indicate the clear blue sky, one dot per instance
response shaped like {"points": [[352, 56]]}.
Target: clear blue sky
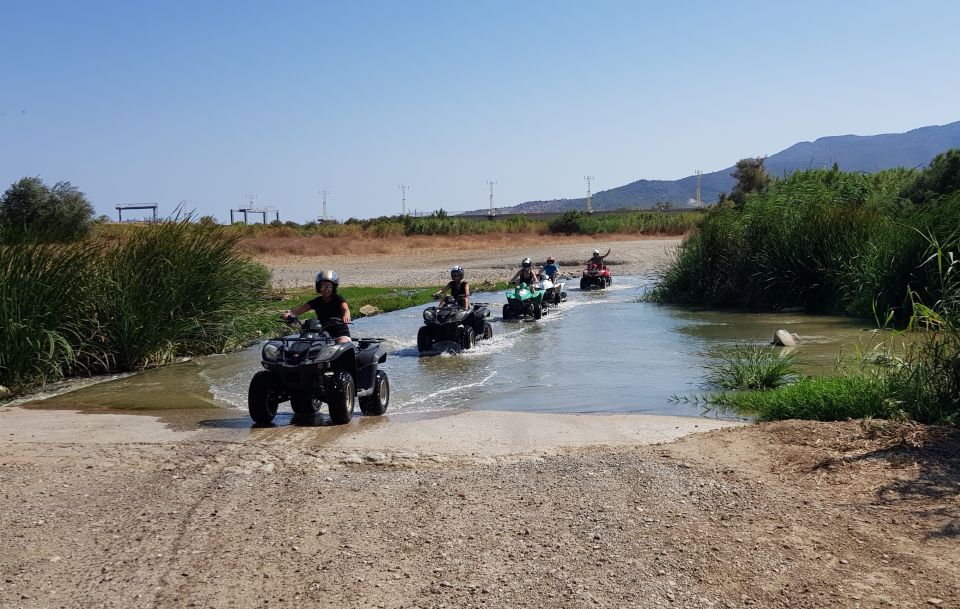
{"points": [[209, 102]]}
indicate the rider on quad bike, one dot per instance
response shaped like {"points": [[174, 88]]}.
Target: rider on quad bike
{"points": [[328, 304], [458, 288], [526, 273], [597, 260], [551, 269]]}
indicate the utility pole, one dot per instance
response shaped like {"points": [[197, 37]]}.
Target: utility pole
{"points": [[324, 193], [403, 198], [491, 184], [589, 196], [699, 174]]}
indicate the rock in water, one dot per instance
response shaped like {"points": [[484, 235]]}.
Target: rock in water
{"points": [[368, 310], [783, 338]]}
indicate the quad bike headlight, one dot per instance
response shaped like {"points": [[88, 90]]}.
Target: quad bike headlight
{"points": [[270, 352], [429, 314]]}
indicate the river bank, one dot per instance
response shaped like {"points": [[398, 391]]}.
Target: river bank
{"points": [[126, 511], [473, 509]]}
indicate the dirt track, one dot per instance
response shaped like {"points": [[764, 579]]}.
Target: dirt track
{"points": [[784, 515], [427, 267]]}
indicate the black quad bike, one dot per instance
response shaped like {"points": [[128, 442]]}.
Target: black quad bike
{"points": [[453, 323], [309, 368]]}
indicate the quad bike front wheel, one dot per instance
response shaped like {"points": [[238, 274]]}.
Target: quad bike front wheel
{"points": [[507, 311], [263, 397], [584, 283], [341, 398], [468, 338], [424, 340], [487, 330], [537, 311], [376, 403]]}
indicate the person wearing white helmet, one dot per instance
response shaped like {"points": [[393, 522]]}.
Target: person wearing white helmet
{"points": [[328, 305], [597, 260], [526, 273], [457, 287]]}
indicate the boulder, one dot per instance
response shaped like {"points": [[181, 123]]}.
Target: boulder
{"points": [[5, 391], [783, 338], [368, 310]]}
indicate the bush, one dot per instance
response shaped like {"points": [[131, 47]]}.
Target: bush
{"points": [[30, 211], [47, 323]]}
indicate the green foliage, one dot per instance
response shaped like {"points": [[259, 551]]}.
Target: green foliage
{"points": [[744, 367], [751, 178], [30, 211], [825, 240], [48, 326], [818, 399], [941, 177], [175, 289]]}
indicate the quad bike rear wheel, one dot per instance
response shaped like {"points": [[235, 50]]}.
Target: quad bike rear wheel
{"points": [[376, 403], [507, 311], [537, 311], [263, 397], [584, 283], [342, 398]]}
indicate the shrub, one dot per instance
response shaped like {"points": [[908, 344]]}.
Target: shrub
{"points": [[30, 211]]}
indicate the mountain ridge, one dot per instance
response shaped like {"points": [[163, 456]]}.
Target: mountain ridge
{"points": [[868, 153]]}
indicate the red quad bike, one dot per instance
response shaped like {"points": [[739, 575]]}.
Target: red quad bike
{"points": [[595, 278]]}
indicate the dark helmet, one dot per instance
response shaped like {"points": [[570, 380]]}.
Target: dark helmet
{"points": [[457, 270], [550, 260], [526, 263], [330, 276]]}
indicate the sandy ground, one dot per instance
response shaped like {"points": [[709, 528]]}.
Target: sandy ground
{"points": [[432, 267], [474, 509]]}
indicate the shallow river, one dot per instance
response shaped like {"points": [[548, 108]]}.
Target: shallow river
{"points": [[599, 352]]}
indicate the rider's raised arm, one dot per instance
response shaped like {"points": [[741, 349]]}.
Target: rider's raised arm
{"points": [[299, 310]]}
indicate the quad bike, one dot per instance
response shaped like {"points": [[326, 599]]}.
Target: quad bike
{"points": [[525, 301], [553, 292], [310, 367], [452, 323], [595, 277]]}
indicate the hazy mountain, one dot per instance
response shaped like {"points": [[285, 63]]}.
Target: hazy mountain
{"points": [[868, 153]]}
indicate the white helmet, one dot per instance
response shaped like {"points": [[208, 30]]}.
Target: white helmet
{"points": [[526, 263], [596, 252]]}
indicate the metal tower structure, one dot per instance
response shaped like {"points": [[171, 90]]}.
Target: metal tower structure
{"points": [[589, 196], [699, 174], [324, 193], [491, 184], [403, 198]]}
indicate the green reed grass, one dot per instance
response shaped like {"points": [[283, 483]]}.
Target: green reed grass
{"points": [[746, 367], [176, 289], [819, 399], [48, 326]]}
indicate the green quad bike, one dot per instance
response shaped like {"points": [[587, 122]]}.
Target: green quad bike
{"points": [[524, 302]]}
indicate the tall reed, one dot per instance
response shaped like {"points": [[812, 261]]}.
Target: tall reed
{"points": [[175, 289], [48, 325]]}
